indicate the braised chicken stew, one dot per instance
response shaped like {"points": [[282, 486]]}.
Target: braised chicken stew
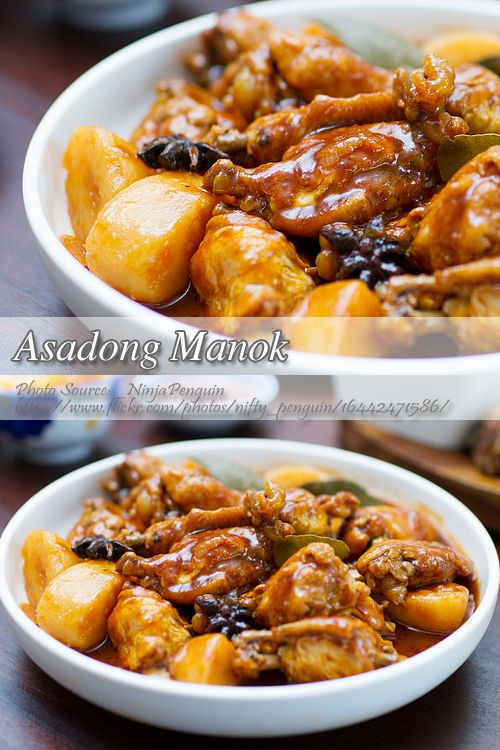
{"points": [[288, 176], [286, 576]]}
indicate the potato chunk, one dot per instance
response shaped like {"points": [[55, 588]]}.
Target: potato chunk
{"points": [[75, 606], [438, 609], [99, 165], [45, 555], [295, 475], [144, 237], [459, 47], [207, 659], [318, 326]]}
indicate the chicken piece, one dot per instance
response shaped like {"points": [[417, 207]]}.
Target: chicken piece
{"points": [[320, 648], [462, 222], [270, 136], [392, 567], [183, 108], [102, 518], [373, 522], [190, 486], [136, 466], [160, 537], [235, 32], [321, 515], [314, 62], [469, 289], [206, 562], [347, 174], [353, 173], [476, 98], [424, 95], [466, 297], [146, 630], [243, 267], [314, 582], [252, 87]]}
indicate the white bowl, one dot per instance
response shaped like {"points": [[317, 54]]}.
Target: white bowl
{"points": [[117, 92], [250, 711]]}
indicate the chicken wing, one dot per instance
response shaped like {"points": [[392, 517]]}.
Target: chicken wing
{"points": [[269, 137], [320, 648], [392, 567], [462, 222], [374, 522], [476, 98], [206, 562], [146, 630], [243, 267], [314, 582]]}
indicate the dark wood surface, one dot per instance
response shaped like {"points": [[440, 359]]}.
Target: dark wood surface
{"points": [[38, 714]]}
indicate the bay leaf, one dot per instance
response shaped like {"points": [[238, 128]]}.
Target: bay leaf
{"points": [[453, 153], [376, 45], [285, 548], [332, 486], [492, 63], [231, 474]]}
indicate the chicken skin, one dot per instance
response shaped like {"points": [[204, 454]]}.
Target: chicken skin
{"points": [[243, 267], [392, 567], [102, 518], [183, 108], [323, 515], [476, 98], [269, 137], [314, 582], [345, 174], [462, 222], [320, 648], [146, 630], [206, 562], [191, 486], [314, 62], [373, 522]]}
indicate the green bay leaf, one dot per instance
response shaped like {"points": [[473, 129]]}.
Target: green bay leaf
{"points": [[492, 63], [332, 486], [285, 548], [453, 153], [231, 474], [376, 45]]}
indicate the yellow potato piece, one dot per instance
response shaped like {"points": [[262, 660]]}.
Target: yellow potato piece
{"points": [[295, 475], [75, 606], [324, 322], [99, 165], [207, 659], [45, 555], [438, 609], [144, 237], [459, 47]]}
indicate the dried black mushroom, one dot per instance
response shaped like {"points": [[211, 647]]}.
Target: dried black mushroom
{"points": [[100, 548], [176, 153], [362, 252], [221, 614]]}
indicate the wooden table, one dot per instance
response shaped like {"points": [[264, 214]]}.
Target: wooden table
{"points": [[38, 714]]}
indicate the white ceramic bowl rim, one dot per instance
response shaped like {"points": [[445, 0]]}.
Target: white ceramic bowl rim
{"points": [[114, 675], [122, 306]]}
